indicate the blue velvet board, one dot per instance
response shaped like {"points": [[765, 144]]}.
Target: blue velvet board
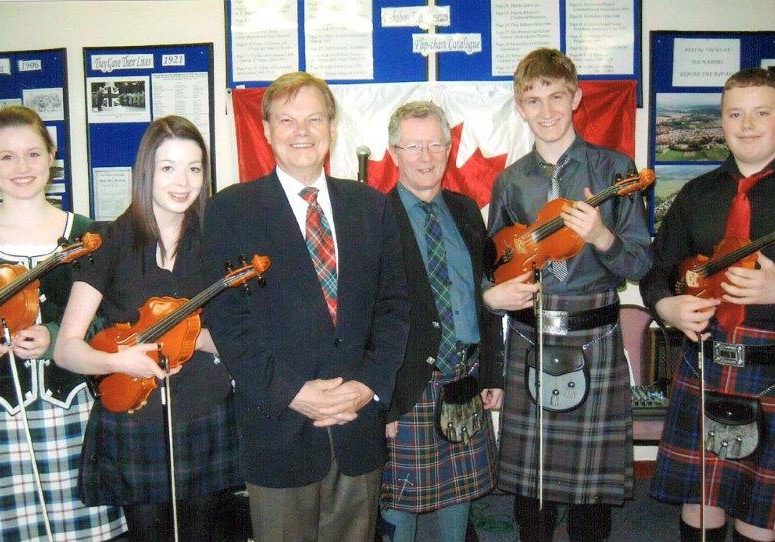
{"points": [[394, 60], [115, 144], [51, 74], [675, 168]]}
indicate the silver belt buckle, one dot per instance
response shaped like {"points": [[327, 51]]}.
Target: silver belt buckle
{"points": [[555, 322], [730, 354]]}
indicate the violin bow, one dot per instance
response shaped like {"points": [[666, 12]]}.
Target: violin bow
{"points": [[166, 400], [701, 367], [26, 423], [539, 341]]}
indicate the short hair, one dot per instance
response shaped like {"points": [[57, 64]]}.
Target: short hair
{"points": [[288, 85], [750, 77], [416, 110], [144, 224], [18, 116], [544, 65]]}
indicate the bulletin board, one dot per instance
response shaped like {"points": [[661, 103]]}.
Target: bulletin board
{"points": [[126, 89], [688, 71], [38, 80], [281, 34]]}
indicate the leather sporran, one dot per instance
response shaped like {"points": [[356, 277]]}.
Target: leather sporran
{"points": [[565, 378], [459, 410], [732, 425]]}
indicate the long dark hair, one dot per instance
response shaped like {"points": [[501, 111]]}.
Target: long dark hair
{"points": [[144, 226]]}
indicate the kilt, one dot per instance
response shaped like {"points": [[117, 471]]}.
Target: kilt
{"points": [[125, 458], [57, 435], [425, 472], [745, 488], [588, 452]]}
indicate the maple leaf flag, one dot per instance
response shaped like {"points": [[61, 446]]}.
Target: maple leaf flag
{"points": [[487, 132]]}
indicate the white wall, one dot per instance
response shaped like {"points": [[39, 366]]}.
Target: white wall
{"points": [[76, 24]]}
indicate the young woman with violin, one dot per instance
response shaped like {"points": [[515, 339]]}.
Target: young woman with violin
{"points": [[150, 251], [732, 307], [57, 402]]}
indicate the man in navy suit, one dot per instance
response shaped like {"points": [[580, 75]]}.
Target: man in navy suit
{"points": [[314, 353]]}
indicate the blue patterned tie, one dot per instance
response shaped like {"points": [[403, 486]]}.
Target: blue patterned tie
{"points": [[320, 245], [438, 276], [559, 268]]}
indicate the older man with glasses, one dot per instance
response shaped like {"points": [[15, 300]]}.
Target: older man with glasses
{"points": [[454, 343]]}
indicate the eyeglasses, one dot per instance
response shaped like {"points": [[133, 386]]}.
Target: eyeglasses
{"points": [[416, 148]]}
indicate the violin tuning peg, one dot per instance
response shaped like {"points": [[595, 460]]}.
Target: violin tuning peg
{"points": [[242, 260], [248, 291], [62, 241], [261, 280], [76, 264], [90, 258], [227, 265]]}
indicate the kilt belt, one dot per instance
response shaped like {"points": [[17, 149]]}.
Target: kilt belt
{"points": [[561, 322], [739, 355]]}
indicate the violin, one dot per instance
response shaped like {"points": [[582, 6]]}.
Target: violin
{"points": [[174, 323], [19, 297], [701, 276], [520, 248]]}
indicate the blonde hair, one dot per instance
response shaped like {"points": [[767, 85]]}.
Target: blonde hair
{"points": [[544, 66], [288, 86]]}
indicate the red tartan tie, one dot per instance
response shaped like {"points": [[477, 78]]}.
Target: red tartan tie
{"points": [[729, 315], [320, 245]]}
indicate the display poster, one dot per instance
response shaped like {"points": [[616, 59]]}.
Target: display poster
{"points": [[38, 80], [129, 87]]}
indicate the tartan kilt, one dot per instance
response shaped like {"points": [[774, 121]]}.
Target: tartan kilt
{"points": [[588, 451], [57, 434], [425, 472], [125, 458], [744, 488]]}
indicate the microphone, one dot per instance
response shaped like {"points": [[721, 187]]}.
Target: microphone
{"points": [[362, 152]]}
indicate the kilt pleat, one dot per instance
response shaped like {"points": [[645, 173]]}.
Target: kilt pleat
{"points": [[744, 488], [588, 451], [57, 434], [125, 459], [425, 472]]}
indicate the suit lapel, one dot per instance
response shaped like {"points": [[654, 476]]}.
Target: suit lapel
{"points": [[416, 275]]}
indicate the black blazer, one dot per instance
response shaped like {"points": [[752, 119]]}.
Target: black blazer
{"points": [[281, 336], [424, 328]]}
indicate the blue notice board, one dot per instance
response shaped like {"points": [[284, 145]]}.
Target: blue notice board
{"points": [[394, 59], [38, 80], [126, 89], [688, 71]]}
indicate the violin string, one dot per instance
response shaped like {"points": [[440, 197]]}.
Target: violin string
{"points": [[18, 284], [174, 318]]}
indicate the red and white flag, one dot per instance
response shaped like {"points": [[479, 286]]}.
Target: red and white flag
{"points": [[487, 132]]}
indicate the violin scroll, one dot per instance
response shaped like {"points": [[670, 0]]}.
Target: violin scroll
{"points": [[644, 179], [83, 246]]}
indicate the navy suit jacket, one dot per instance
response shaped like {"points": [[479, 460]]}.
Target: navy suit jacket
{"points": [[424, 328], [281, 336]]}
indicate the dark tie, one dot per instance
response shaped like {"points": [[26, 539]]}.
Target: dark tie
{"points": [[559, 268], [320, 244], [438, 276], [729, 315]]}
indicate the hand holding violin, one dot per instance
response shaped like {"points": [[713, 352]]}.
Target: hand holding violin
{"points": [[585, 220], [745, 286], [30, 343], [512, 295], [135, 362], [688, 313]]}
